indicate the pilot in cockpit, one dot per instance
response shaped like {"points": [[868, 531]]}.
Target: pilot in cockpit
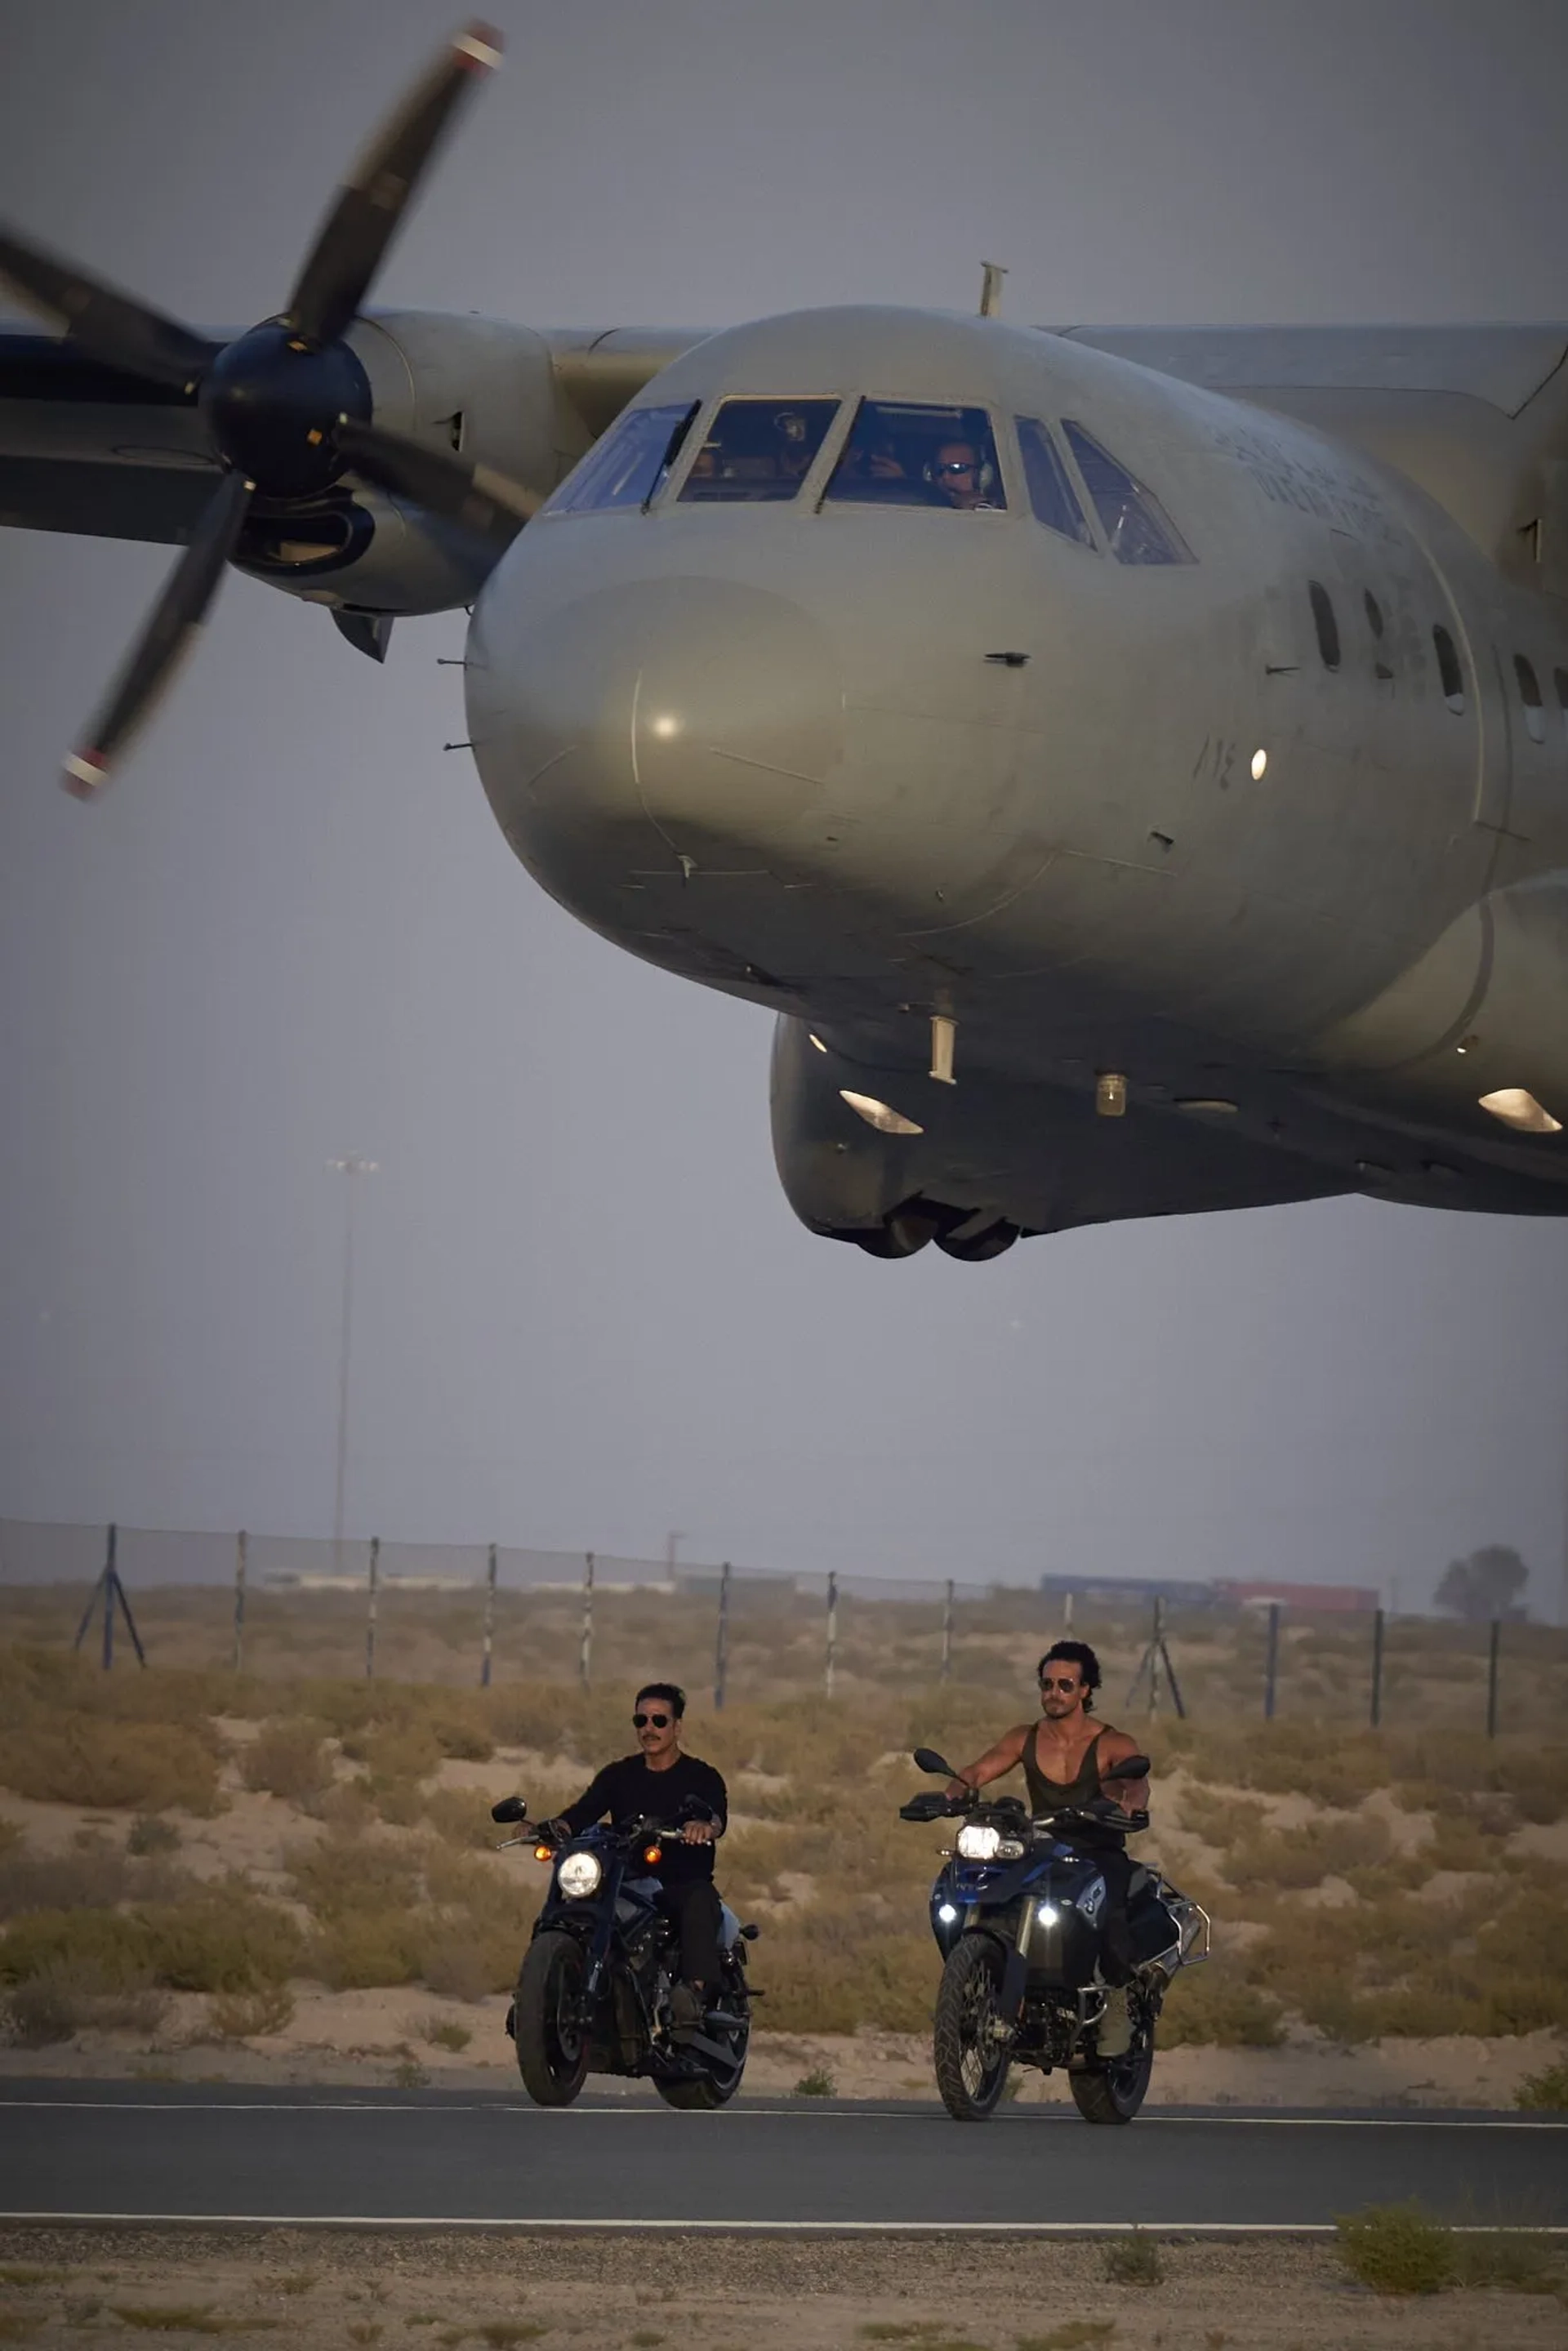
{"points": [[959, 475]]}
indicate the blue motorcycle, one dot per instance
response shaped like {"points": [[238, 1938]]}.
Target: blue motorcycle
{"points": [[1017, 1913]]}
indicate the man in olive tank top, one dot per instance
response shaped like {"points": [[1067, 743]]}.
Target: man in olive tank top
{"points": [[1063, 1755]]}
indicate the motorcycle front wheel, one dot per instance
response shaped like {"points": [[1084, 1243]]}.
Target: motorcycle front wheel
{"points": [[552, 2045], [971, 2063]]}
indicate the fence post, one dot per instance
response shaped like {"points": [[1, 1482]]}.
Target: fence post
{"points": [[1271, 1664], [947, 1633], [721, 1641], [585, 1642], [372, 1587], [240, 1547], [488, 1647], [832, 1633], [1067, 1612], [1493, 1645], [1377, 1669], [111, 1576]]}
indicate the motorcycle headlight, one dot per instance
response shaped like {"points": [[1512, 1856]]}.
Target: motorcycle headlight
{"points": [[977, 1843], [579, 1874]]}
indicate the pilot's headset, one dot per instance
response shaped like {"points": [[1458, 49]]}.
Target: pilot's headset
{"points": [[985, 471], [792, 430]]}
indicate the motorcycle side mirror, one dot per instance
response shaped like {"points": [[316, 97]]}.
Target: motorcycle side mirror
{"points": [[510, 1808], [1131, 1767], [928, 1760]]}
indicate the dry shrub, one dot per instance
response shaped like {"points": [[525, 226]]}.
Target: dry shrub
{"points": [[95, 1877], [1220, 1820], [247, 2015], [1544, 2092], [70, 1996], [461, 1819], [1457, 1843], [1287, 1858], [1207, 2005], [394, 1751], [287, 1760], [444, 2031], [364, 1948], [222, 1938], [150, 1835], [143, 1766], [1397, 2249]]}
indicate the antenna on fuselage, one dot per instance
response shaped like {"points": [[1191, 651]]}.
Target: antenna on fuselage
{"points": [[991, 288]]}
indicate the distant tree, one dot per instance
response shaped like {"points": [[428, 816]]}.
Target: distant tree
{"points": [[1486, 1584]]}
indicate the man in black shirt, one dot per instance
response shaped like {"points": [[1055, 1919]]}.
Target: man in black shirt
{"points": [[662, 1784]]}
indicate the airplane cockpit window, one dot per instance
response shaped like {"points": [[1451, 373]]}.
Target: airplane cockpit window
{"points": [[1050, 493], [1136, 525], [901, 453], [625, 467], [756, 450]]}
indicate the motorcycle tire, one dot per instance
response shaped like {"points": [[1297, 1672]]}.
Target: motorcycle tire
{"points": [[971, 2068], [1116, 2086], [704, 2094], [553, 2046]]}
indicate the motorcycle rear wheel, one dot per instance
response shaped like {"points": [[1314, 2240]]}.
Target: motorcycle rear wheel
{"points": [[704, 2093], [553, 2046], [971, 2064], [1117, 2089]]}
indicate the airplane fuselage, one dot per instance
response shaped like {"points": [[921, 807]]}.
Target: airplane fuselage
{"points": [[1271, 827]]}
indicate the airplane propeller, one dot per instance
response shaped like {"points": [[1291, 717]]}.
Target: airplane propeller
{"points": [[286, 405]]}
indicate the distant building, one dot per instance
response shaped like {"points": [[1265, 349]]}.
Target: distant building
{"points": [[1112, 1589], [1334, 1599]]}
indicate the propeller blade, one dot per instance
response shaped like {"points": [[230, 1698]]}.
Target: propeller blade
{"points": [[352, 241], [109, 326], [475, 495], [177, 615]]}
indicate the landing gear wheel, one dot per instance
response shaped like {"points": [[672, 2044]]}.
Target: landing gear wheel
{"points": [[552, 2045], [702, 2093], [1114, 2090], [979, 1249], [900, 1235], [971, 2063]]}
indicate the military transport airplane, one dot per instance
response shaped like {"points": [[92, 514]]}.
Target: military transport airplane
{"points": [[1133, 765]]}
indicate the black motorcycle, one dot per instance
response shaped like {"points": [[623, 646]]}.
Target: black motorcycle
{"points": [[593, 1996], [1016, 1912]]}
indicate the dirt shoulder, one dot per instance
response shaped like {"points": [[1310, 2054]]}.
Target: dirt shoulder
{"points": [[328, 2288]]}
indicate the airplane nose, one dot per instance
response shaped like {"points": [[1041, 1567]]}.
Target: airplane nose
{"points": [[650, 724]]}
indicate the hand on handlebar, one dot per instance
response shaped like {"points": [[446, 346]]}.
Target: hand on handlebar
{"points": [[699, 1833]]}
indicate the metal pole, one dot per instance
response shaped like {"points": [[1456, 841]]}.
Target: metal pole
{"points": [[832, 1633], [488, 1647], [1272, 1663], [1067, 1612], [721, 1641], [111, 1576], [375, 1586], [947, 1633], [1376, 1668], [240, 1547], [1493, 1646], [1156, 1645], [349, 1167], [92, 1598], [585, 1642]]}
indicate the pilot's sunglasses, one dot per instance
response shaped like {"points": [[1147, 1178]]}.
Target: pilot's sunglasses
{"points": [[659, 1722], [956, 466], [1070, 1683]]}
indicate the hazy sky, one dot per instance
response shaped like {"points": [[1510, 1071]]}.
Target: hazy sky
{"points": [[293, 929]]}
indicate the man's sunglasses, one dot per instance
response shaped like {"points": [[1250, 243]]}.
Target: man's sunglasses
{"points": [[1070, 1683], [659, 1722], [957, 466]]}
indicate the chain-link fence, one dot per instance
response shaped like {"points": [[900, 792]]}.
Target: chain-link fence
{"points": [[282, 1606]]}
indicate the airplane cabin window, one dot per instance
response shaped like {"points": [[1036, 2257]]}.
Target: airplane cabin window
{"points": [[1449, 670], [1530, 694], [1135, 524], [1050, 493], [1324, 621], [905, 453], [758, 449], [626, 465]]}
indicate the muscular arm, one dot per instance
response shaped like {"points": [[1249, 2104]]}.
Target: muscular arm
{"points": [[1003, 1756], [1133, 1795]]}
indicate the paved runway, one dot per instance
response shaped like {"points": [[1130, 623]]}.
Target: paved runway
{"points": [[132, 2150]]}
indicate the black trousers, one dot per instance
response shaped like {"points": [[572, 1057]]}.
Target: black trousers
{"points": [[1115, 1930], [692, 1905]]}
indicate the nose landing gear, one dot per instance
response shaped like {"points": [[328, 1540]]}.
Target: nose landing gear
{"points": [[965, 1234]]}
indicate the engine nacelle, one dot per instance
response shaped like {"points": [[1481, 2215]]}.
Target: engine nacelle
{"points": [[485, 389]]}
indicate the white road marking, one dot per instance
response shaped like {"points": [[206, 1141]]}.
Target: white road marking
{"points": [[640, 2113], [750, 2228]]}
